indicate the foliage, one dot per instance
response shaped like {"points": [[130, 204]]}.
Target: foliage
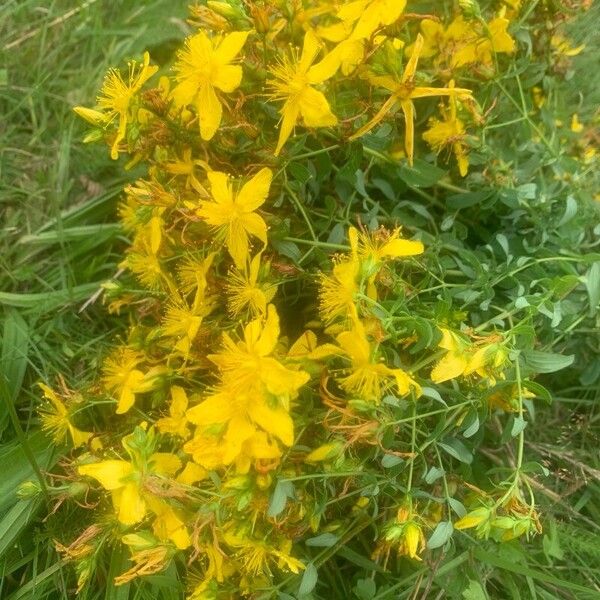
{"points": [[303, 399]]}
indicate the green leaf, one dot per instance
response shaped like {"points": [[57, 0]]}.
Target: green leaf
{"points": [[49, 301], [475, 591], [389, 461], [119, 563], [299, 172], [546, 362], [518, 425], [433, 475], [458, 507], [289, 249], [515, 566], [325, 540], [365, 589], [570, 211], [283, 490], [17, 468], [456, 449], [441, 534], [467, 199], [13, 360], [359, 560], [592, 284], [14, 521], [421, 174], [539, 390], [309, 580]]}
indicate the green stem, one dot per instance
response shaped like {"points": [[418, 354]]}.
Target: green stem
{"points": [[317, 243]]}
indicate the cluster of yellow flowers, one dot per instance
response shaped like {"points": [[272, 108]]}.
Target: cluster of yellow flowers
{"points": [[207, 422]]}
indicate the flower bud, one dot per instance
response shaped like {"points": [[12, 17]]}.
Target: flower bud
{"points": [[28, 489], [470, 9]]}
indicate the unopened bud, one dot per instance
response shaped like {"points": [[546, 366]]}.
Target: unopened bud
{"points": [[260, 17], [28, 489], [470, 9]]}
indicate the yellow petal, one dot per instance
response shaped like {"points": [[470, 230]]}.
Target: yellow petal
{"points": [[396, 248], [109, 473], [214, 410], [255, 225], [228, 78], [164, 463], [230, 46], [79, 437], [220, 188], [168, 526], [449, 367], [254, 192], [237, 242], [192, 473], [184, 93], [408, 108], [179, 401], [280, 381], [473, 518], [209, 111], [275, 421], [315, 110], [94, 117], [381, 113], [267, 340], [132, 508], [310, 49], [290, 113], [411, 65]]}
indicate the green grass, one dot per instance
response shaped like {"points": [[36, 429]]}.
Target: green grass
{"points": [[58, 240], [58, 243]]}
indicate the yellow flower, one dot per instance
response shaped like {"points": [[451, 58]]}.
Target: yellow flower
{"points": [[404, 91], [133, 484], [338, 290], [183, 322], [241, 420], [475, 518], [576, 125], [115, 99], [455, 361], [203, 66], [465, 359], [248, 367], [372, 249], [257, 556], [371, 15], [413, 541], [562, 46], [370, 378], [405, 534], [232, 215], [245, 291], [465, 42], [192, 274], [176, 422], [294, 84], [450, 131], [56, 420], [123, 378], [186, 166]]}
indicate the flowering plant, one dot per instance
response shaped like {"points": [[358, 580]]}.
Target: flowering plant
{"points": [[308, 366]]}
